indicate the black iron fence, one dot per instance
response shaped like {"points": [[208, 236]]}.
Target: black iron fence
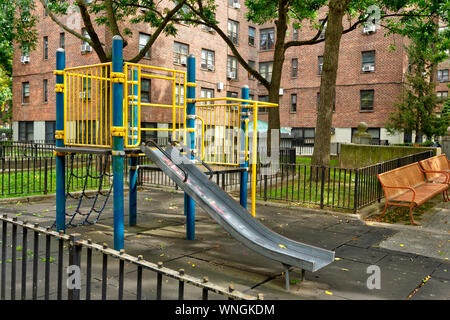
{"points": [[38, 263], [14, 149], [333, 187]]}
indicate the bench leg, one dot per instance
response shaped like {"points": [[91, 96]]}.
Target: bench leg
{"points": [[411, 215], [384, 211]]}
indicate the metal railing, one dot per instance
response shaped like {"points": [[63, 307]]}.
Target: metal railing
{"points": [[104, 270]]}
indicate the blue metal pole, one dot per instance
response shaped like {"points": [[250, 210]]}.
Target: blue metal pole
{"points": [[118, 143], [60, 158], [190, 113], [243, 162], [133, 159]]}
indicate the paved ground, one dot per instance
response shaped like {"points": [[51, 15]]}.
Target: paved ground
{"points": [[413, 261]]}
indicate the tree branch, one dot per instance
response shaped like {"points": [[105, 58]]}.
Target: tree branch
{"points": [[158, 31], [95, 41], [113, 22], [228, 41]]}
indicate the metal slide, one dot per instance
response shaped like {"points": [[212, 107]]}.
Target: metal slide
{"points": [[233, 217]]}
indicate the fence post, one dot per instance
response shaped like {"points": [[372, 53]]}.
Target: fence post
{"points": [[74, 263], [59, 136], [322, 186], [265, 187], [355, 196], [118, 143], [45, 175], [379, 169]]}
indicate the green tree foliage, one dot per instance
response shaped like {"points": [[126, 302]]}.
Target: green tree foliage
{"points": [[418, 109], [108, 13], [17, 25]]}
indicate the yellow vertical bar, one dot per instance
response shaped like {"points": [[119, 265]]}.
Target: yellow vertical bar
{"points": [[78, 108], [96, 105], [100, 131], [110, 111], [174, 88], [92, 103], [254, 157]]}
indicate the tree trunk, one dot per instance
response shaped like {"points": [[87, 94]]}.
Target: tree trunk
{"points": [[333, 34], [277, 70]]}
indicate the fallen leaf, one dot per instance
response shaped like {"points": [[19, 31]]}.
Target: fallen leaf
{"points": [[402, 245], [329, 293], [337, 259], [282, 246]]}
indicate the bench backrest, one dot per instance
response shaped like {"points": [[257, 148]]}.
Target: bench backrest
{"points": [[407, 176], [436, 163]]}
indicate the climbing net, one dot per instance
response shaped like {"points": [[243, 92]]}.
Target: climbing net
{"points": [[89, 205]]}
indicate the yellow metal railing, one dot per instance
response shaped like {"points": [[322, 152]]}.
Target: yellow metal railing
{"points": [[88, 105], [170, 96]]}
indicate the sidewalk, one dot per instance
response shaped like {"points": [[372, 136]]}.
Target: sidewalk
{"points": [[406, 255]]}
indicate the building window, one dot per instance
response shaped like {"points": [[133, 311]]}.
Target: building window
{"points": [[143, 40], [267, 39], [442, 75], [208, 60], [367, 98], [294, 102], [62, 40], [252, 64], [149, 134], [85, 34], [294, 68], [45, 48], [180, 53], [263, 98], [145, 90], [320, 64], [294, 33], [368, 61], [26, 129], [50, 128], [232, 94], [322, 34], [251, 36], [45, 90], [25, 92], [265, 69], [85, 94], [233, 31], [231, 67], [206, 93], [442, 96], [179, 95], [234, 4]]}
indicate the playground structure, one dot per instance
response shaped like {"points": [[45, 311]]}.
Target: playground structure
{"points": [[98, 111]]}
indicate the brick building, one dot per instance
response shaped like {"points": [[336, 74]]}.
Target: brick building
{"points": [[370, 76]]}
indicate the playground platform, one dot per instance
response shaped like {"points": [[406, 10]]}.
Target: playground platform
{"points": [[413, 261]]}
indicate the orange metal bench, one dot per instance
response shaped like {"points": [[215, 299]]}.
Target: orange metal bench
{"points": [[408, 187], [437, 168]]}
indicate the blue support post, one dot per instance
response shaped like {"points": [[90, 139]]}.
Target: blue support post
{"points": [[118, 143], [190, 113], [60, 158], [132, 221], [243, 161]]}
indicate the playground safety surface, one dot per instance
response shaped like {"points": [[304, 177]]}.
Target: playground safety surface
{"points": [[413, 261]]}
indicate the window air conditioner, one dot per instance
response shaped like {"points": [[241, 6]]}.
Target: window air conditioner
{"points": [[86, 48], [25, 59]]}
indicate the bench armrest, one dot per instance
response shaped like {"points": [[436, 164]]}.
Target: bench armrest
{"points": [[407, 188], [447, 174]]}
